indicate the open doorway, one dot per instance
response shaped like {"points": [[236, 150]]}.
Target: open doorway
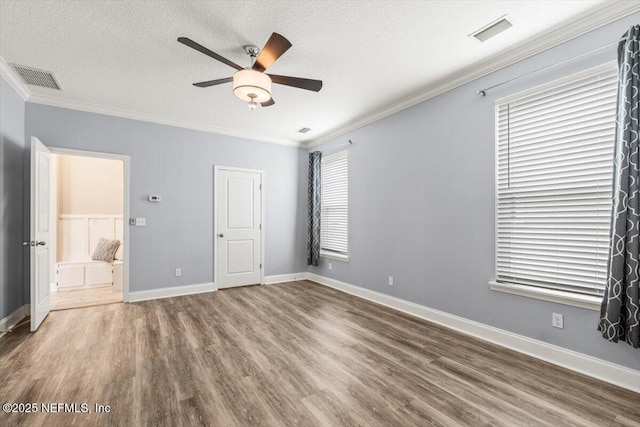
{"points": [[87, 230]]}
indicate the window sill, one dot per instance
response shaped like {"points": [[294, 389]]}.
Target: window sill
{"points": [[560, 297], [339, 257]]}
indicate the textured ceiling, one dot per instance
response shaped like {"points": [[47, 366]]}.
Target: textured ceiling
{"points": [[370, 54]]}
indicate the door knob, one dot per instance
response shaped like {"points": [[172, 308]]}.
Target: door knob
{"points": [[41, 243], [221, 235]]}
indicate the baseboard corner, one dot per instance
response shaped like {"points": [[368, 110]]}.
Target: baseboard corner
{"points": [[284, 278]]}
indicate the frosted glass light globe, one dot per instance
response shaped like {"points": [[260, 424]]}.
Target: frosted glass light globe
{"points": [[250, 82]]}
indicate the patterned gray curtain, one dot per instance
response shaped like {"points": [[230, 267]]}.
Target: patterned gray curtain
{"points": [[315, 191], [620, 312]]}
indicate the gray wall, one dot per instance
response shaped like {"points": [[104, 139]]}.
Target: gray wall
{"points": [[178, 164], [421, 199], [12, 149]]}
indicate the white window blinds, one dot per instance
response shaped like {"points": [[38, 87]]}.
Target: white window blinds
{"points": [[554, 178], [334, 210]]}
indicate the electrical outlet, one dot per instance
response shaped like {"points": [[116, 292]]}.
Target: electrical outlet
{"points": [[330, 266], [178, 272], [557, 320], [390, 280]]}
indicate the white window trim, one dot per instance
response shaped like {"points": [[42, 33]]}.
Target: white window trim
{"points": [[334, 255], [588, 302], [561, 297]]}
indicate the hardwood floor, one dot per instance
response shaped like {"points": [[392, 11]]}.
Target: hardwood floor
{"points": [[295, 354], [84, 298]]}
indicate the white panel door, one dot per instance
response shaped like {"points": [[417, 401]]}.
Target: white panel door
{"points": [[39, 244], [238, 227]]}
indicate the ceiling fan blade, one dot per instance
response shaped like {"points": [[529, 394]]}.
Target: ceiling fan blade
{"points": [[214, 82], [308, 84], [275, 47], [188, 42], [268, 103]]}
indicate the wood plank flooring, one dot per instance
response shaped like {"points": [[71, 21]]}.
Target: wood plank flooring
{"points": [[295, 354], [65, 300]]}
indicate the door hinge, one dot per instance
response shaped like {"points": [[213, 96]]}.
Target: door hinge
{"points": [[260, 226], [261, 186], [260, 266]]}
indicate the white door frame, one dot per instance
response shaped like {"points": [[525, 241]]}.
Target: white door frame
{"points": [[126, 194], [217, 168]]}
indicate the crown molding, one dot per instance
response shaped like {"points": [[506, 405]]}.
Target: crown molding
{"points": [[133, 115], [9, 75], [604, 14], [23, 91]]}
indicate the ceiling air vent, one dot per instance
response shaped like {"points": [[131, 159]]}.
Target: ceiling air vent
{"points": [[493, 29], [303, 130], [35, 77]]}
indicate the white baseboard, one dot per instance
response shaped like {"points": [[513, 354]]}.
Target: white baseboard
{"points": [[283, 278], [13, 319], [174, 291], [582, 363]]}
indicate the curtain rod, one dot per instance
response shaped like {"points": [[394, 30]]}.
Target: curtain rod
{"points": [[483, 92], [338, 147]]}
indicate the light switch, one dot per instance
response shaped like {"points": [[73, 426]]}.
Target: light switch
{"points": [[138, 222]]}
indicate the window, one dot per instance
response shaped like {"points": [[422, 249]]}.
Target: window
{"points": [[334, 209], [554, 177]]}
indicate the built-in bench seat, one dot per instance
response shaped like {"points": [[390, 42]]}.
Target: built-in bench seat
{"points": [[72, 275]]}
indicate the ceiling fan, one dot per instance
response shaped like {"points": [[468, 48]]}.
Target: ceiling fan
{"points": [[252, 84]]}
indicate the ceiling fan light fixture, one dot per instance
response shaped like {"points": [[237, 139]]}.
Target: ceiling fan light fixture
{"points": [[250, 85]]}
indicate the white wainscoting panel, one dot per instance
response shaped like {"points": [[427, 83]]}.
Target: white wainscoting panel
{"points": [[79, 234], [119, 234], [100, 228], [74, 238]]}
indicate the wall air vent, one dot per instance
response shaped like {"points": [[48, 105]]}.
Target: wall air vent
{"points": [[35, 77], [303, 130], [493, 29]]}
